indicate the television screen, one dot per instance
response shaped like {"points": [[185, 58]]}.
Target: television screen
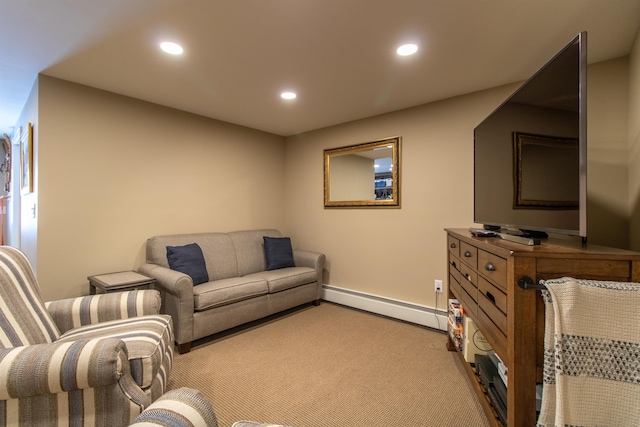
{"points": [[530, 153]]}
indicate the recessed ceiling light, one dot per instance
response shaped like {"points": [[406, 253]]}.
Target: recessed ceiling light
{"points": [[407, 49], [288, 95], [172, 48]]}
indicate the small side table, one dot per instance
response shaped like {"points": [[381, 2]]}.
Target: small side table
{"points": [[120, 281]]}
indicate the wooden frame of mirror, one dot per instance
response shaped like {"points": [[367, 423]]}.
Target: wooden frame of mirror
{"points": [[350, 179]]}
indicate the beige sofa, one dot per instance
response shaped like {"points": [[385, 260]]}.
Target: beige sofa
{"points": [[239, 288]]}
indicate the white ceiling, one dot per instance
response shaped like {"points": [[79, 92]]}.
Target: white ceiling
{"points": [[338, 55]]}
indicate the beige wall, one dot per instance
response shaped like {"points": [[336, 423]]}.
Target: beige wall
{"points": [[398, 253], [634, 144], [114, 171], [607, 166]]}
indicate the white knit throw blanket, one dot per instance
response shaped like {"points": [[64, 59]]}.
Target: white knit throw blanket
{"points": [[591, 354]]}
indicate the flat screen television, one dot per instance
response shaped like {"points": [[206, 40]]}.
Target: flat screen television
{"points": [[530, 154]]}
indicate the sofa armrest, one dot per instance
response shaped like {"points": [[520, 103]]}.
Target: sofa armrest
{"points": [[177, 298], [43, 369], [310, 259], [183, 407], [72, 313], [171, 281]]}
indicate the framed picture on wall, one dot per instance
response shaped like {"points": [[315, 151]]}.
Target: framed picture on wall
{"points": [[26, 160], [5, 167]]}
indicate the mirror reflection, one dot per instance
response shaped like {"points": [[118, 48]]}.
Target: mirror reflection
{"points": [[362, 175]]}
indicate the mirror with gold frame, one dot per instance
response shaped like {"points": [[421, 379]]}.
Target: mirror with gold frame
{"points": [[363, 175]]}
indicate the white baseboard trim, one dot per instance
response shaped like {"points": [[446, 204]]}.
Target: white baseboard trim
{"points": [[431, 317]]}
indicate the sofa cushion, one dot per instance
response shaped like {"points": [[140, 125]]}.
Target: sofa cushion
{"points": [[188, 259], [148, 339], [227, 291], [219, 252], [249, 249], [286, 278], [278, 252]]}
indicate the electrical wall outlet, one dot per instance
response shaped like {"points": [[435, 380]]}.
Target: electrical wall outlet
{"points": [[438, 284]]}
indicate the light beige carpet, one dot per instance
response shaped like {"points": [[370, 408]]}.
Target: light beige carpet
{"points": [[332, 366]]}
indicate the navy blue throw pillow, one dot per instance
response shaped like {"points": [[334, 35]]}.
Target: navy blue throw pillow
{"points": [[278, 252], [188, 259]]}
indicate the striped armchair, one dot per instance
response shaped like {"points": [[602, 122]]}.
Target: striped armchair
{"points": [[98, 360], [183, 407]]}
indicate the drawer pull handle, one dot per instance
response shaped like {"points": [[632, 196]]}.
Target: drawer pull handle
{"points": [[453, 263], [452, 246], [490, 267], [491, 297], [467, 254]]}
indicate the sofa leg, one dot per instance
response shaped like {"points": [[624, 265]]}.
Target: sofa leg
{"points": [[184, 347], [316, 302]]}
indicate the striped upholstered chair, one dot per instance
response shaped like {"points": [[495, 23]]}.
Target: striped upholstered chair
{"points": [[182, 407], [98, 360]]}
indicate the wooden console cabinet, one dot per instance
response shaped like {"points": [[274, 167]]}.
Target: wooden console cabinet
{"points": [[483, 276]]}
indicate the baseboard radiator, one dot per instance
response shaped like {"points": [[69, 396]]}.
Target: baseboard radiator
{"points": [[431, 317]]}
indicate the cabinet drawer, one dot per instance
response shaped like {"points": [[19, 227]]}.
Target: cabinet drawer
{"points": [[454, 264], [469, 254], [491, 310], [468, 303], [493, 294], [454, 261], [469, 281], [469, 286], [469, 274], [493, 334], [454, 245], [493, 267]]}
